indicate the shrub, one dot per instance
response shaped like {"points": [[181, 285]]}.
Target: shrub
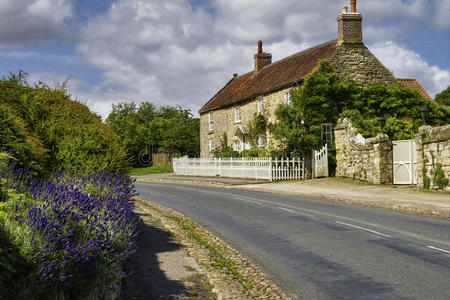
{"points": [[72, 231], [48, 131], [439, 177]]}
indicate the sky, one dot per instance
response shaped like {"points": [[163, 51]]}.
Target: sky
{"points": [[181, 52]]}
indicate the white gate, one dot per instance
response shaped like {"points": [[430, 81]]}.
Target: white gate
{"points": [[321, 162], [404, 162]]}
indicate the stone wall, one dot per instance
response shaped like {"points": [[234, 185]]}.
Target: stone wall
{"points": [[363, 159], [357, 62], [224, 121], [433, 147]]}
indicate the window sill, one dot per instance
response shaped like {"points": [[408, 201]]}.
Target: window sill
{"points": [[237, 122]]}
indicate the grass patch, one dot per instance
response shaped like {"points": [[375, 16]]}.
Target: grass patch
{"points": [[201, 288], [150, 170], [216, 255]]}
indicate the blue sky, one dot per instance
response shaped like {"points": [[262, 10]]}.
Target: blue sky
{"points": [[180, 52]]}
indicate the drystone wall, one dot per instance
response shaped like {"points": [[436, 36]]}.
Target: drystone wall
{"points": [[363, 159], [433, 153]]}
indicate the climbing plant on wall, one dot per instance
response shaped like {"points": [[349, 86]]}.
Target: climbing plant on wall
{"points": [[324, 98]]}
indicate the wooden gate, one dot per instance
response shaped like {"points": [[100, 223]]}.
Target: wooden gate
{"points": [[404, 162], [321, 162]]}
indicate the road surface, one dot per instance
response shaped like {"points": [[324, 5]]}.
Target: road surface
{"points": [[317, 249]]}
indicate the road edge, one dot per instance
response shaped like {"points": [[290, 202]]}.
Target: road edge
{"points": [[381, 205], [227, 269], [439, 214]]}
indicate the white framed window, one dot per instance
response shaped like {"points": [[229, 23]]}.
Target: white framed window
{"points": [[211, 144], [260, 104], [237, 114], [287, 96], [262, 141], [327, 134], [237, 145], [211, 121]]}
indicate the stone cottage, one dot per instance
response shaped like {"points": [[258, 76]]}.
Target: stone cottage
{"points": [[269, 84]]}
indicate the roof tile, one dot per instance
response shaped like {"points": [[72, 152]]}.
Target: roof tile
{"points": [[414, 84], [277, 75]]}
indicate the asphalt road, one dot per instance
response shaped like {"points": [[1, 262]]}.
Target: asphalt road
{"points": [[318, 249]]}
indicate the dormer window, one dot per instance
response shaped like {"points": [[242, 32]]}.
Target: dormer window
{"points": [[287, 96], [237, 114], [260, 105], [211, 121]]}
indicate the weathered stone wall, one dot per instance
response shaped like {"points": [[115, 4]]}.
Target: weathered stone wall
{"points": [[224, 121], [359, 158], [357, 62], [350, 28], [433, 147]]}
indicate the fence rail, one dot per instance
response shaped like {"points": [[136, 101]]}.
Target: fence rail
{"points": [[249, 168]]}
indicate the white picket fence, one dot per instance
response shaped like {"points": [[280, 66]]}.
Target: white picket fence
{"points": [[250, 168]]}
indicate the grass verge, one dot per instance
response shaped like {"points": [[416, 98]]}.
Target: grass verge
{"points": [[150, 170], [238, 276], [216, 255]]}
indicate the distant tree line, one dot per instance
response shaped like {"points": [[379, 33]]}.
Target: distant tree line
{"points": [[169, 128]]}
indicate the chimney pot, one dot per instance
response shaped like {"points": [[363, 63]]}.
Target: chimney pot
{"points": [[259, 47], [350, 26], [353, 5]]}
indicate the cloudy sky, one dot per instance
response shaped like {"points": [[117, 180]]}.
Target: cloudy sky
{"points": [[180, 52]]}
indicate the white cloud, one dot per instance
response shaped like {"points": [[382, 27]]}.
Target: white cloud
{"points": [[170, 53], [442, 11], [409, 64], [30, 21]]}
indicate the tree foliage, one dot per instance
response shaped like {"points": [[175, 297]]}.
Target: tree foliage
{"points": [[324, 98], [47, 130], [170, 128], [257, 126], [443, 97]]}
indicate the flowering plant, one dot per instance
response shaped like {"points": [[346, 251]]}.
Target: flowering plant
{"points": [[82, 227]]}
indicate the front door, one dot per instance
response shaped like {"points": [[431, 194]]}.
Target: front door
{"points": [[404, 162]]}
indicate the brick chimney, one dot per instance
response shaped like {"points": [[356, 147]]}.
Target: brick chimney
{"points": [[262, 59], [350, 26]]}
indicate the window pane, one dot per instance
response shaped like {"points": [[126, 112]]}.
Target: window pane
{"points": [[237, 115], [327, 134], [211, 121]]}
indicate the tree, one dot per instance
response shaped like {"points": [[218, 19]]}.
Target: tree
{"points": [[443, 97], [170, 128]]}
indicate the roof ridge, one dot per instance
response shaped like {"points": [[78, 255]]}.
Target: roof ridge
{"points": [[300, 52], [276, 75]]}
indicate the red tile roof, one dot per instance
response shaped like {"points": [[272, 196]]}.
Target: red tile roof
{"points": [[414, 84], [275, 76]]}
